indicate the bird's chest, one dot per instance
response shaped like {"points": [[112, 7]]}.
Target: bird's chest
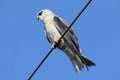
{"points": [[51, 31]]}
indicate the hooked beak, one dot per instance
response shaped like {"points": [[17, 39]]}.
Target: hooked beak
{"points": [[37, 18]]}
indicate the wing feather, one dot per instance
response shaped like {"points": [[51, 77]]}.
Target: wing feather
{"points": [[61, 26]]}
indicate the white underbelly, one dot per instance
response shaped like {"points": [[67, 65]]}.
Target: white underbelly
{"points": [[52, 32]]}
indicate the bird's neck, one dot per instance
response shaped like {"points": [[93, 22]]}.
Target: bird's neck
{"points": [[48, 19]]}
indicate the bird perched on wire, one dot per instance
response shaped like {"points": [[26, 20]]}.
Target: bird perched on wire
{"points": [[54, 27]]}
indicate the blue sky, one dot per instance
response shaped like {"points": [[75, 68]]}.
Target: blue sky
{"points": [[23, 43]]}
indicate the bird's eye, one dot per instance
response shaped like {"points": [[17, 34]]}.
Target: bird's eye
{"points": [[40, 13]]}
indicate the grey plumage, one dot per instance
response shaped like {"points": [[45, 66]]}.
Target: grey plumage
{"points": [[54, 27]]}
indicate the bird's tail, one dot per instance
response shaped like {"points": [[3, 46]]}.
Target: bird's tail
{"points": [[79, 62]]}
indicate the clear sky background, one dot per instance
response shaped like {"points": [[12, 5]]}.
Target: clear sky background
{"points": [[23, 43]]}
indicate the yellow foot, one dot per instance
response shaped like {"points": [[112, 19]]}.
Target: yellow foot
{"points": [[55, 43]]}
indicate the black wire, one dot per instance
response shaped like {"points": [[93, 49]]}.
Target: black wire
{"points": [[75, 20], [59, 40], [40, 63]]}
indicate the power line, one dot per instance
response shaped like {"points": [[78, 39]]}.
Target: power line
{"points": [[59, 40]]}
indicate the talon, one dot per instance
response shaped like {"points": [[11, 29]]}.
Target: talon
{"points": [[55, 43], [56, 40]]}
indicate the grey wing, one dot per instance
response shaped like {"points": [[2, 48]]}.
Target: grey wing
{"points": [[61, 26]]}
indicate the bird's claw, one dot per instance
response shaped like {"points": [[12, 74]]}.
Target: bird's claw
{"points": [[54, 44]]}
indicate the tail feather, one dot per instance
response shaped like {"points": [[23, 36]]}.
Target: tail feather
{"points": [[79, 62], [87, 62]]}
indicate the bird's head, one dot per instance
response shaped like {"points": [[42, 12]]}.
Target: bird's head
{"points": [[44, 14]]}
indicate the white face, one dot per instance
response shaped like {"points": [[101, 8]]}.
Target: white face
{"points": [[43, 14]]}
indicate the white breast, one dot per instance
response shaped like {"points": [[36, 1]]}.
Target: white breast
{"points": [[51, 31]]}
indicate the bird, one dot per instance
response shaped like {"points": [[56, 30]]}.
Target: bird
{"points": [[54, 27]]}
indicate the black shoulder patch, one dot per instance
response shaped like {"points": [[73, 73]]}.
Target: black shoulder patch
{"points": [[60, 23]]}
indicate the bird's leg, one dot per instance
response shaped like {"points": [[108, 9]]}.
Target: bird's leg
{"points": [[54, 44]]}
